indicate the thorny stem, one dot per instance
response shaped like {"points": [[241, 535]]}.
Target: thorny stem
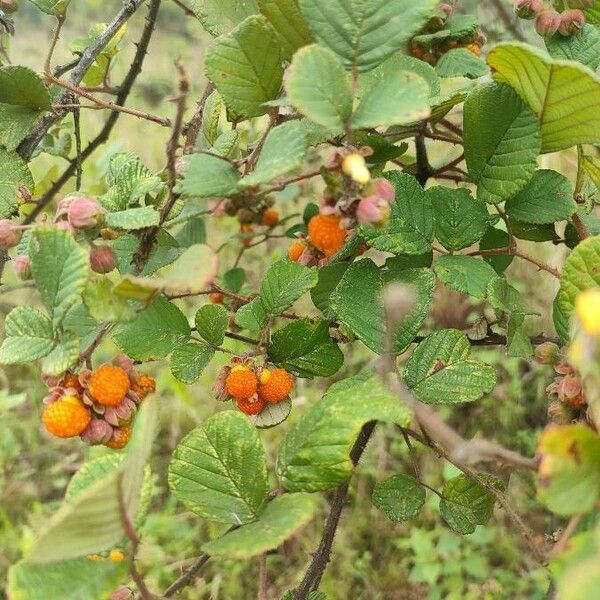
{"points": [[192, 130], [60, 19], [519, 253]]}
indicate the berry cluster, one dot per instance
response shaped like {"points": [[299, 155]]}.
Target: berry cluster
{"points": [[98, 406], [548, 21], [114, 555], [253, 388], [351, 198]]}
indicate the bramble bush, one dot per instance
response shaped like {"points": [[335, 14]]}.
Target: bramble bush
{"points": [[342, 103]]}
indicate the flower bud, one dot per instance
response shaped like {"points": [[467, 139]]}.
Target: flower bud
{"points": [[102, 259], [373, 210], [570, 391], [10, 235], [97, 432], [122, 414], [355, 166], [84, 213], [22, 267], [383, 189], [571, 21], [528, 9], [547, 353], [447, 9], [547, 23]]}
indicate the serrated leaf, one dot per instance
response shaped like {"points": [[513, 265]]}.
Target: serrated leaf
{"points": [[440, 370], [465, 274], [459, 219], [547, 198], [457, 27], [194, 269], [60, 270], [494, 239], [252, 315], [219, 470], [283, 284], [461, 62], [583, 46], [465, 504], [518, 343], [188, 361], [63, 356], [282, 517], [318, 87], [247, 59], [13, 176], [205, 176], [410, 228], [365, 34], [305, 348], [52, 7], [105, 302], [329, 277], [154, 333], [564, 94], [133, 218], [289, 24], [282, 152], [400, 497], [503, 296], [315, 453], [272, 414], [220, 16], [29, 336], [502, 141], [211, 323]]}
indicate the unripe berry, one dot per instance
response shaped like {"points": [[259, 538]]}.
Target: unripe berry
{"points": [[22, 267], [270, 217], [83, 212], [327, 234], [241, 383], [9, 6], [102, 259], [296, 250], [9, 234], [571, 21], [67, 417], [251, 406], [109, 385], [246, 228], [547, 353], [275, 385], [355, 166], [547, 23], [528, 9]]}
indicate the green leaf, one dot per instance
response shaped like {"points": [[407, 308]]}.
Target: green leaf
{"points": [[165, 251], [398, 98], [400, 497], [29, 336], [318, 87], [365, 34], [104, 303], [13, 176], [23, 99], [315, 454], [461, 62], [272, 414], [211, 323], [583, 46], [220, 16], [198, 259], [188, 361], [252, 315], [246, 68], [564, 95], [457, 27], [547, 198], [289, 24], [440, 370], [465, 504], [205, 176], [60, 270], [580, 273], [234, 279], [282, 517], [410, 228], [219, 470], [518, 343], [52, 7], [459, 219], [465, 274], [154, 333], [63, 356], [282, 152], [133, 218], [503, 296], [329, 277], [305, 348], [284, 283], [502, 141], [533, 232], [494, 239]]}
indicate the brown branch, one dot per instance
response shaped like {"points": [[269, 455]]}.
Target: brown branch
{"points": [[582, 230], [60, 19], [516, 252], [188, 11], [192, 129], [424, 170], [569, 530]]}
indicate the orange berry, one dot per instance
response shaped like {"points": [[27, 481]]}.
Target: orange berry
{"points": [[327, 234], [296, 250], [94, 557], [251, 406], [216, 298], [119, 439], [241, 383], [116, 555], [67, 417], [275, 385], [144, 385], [270, 217], [70, 380], [109, 385], [246, 228], [474, 49]]}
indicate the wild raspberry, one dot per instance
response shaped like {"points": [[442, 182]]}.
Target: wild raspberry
{"points": [[251, 406], [119, 439], [474, 49], [83, 212], [270, 217], [66, 418], [296, 250], [94, 557], [102, 259], [109, 385], [547, 23], [216, 298], [144, 385], [116, 555], [275, 385], [70, 380], [241, 383], [327, 234], [9, 234], [22, 267], [571, 21]]}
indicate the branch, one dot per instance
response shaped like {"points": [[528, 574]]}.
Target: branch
{"points": [[582, 230], [508, 21], [424, 170], [542, 266], [192, 129]]}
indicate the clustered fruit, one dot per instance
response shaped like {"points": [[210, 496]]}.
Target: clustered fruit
{"points": [[98, 406], [351, 198], [253, 388], [114, 555], [548, 21]]}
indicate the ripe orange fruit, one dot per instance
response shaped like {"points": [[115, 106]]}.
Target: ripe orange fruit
{"points": [[251, 407], [327, 234], [109, 385], [474, 49], [144, 385], [70, 380], [275, 385], [119, 439], [241, 383], [270, 217], [116, 555], [296, 250], [66, 418], [216, 298]]}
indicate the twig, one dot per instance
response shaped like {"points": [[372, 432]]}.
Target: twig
{"points": [[508, 21], [253, 157], [569, 530], [516, 252], [60, 19], [424, 170], [263, 582], [582, 230], [187, 577], [188, 11], [192, 129]]}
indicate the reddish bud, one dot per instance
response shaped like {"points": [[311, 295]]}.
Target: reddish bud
{"points": [[547, 23], [22, 267], [10, 235], [447, 9], [547, 353], [571, 21], [97, 432], [102, 259], [373, 210], [383, 189], [528, 9], [84, 213], [570, 391]]}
